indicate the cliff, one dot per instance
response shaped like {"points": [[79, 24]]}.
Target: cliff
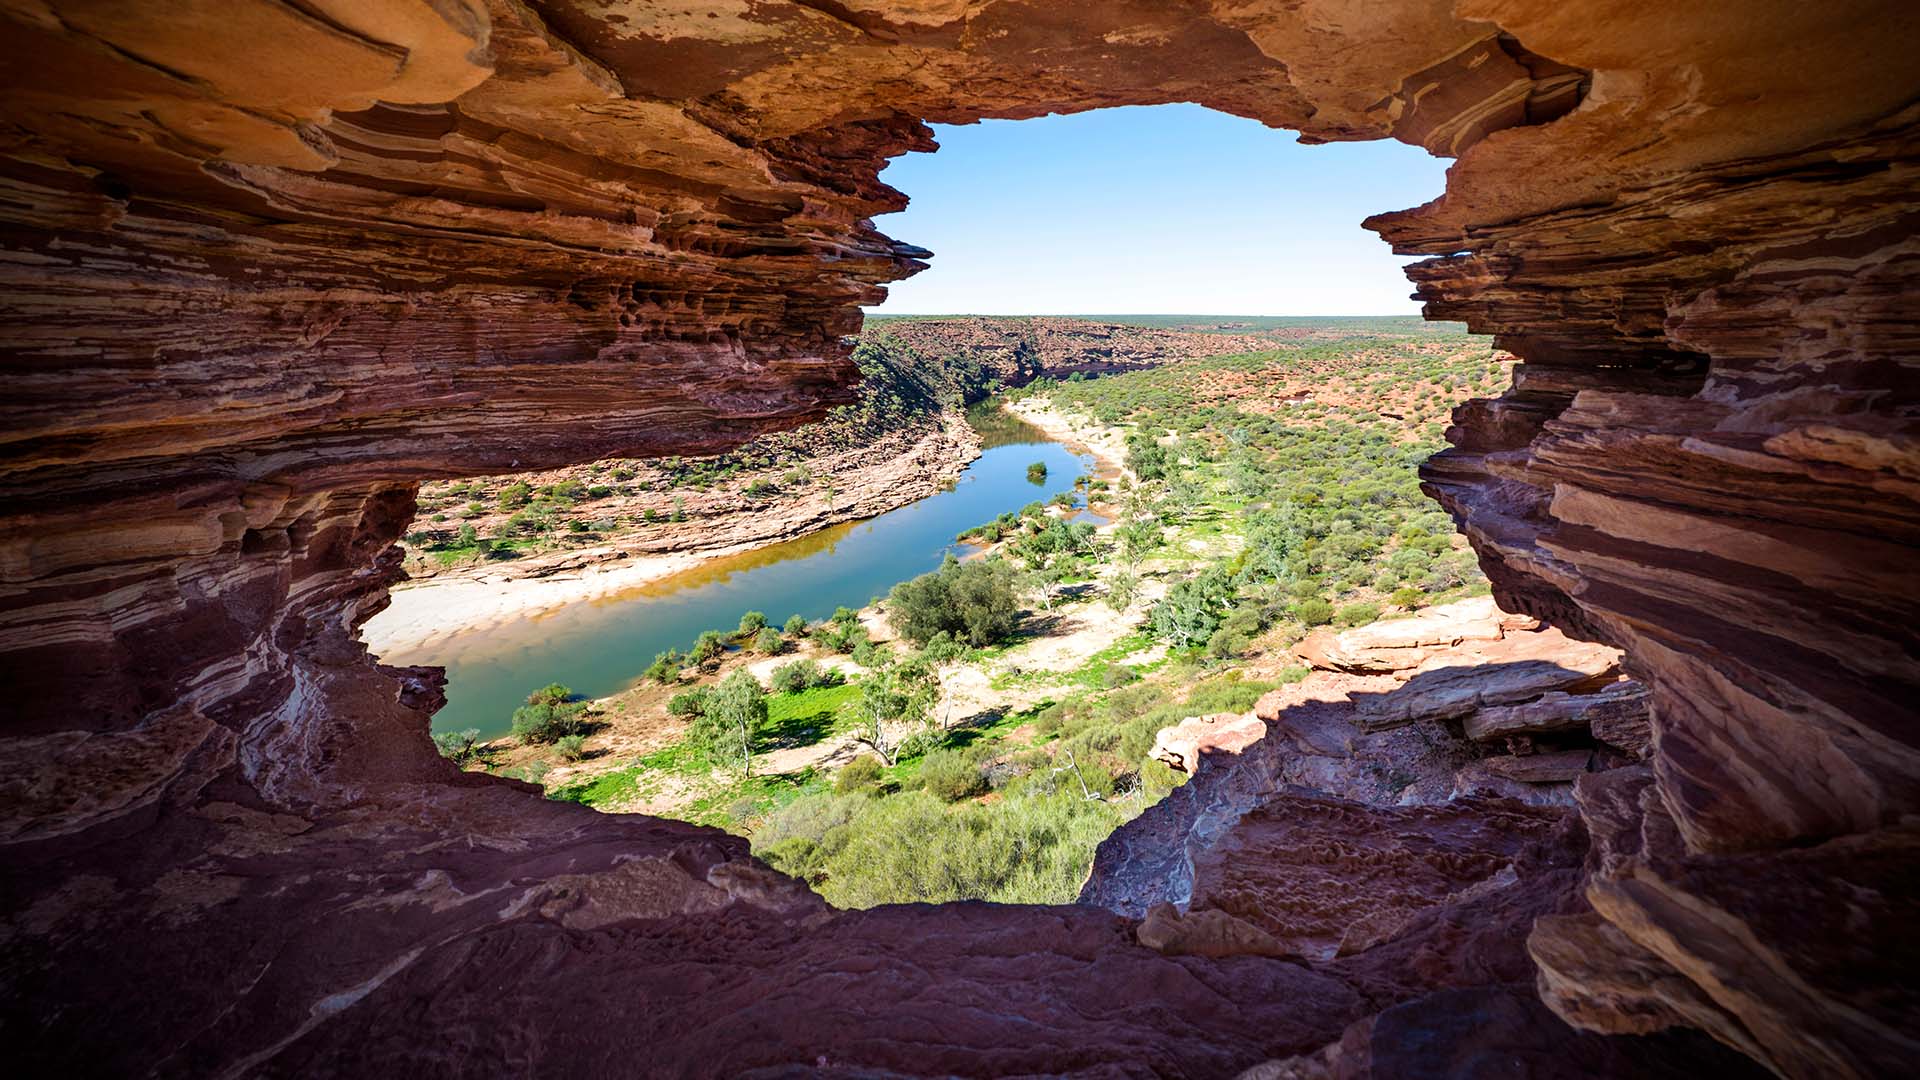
{"points": [[267, 266]]}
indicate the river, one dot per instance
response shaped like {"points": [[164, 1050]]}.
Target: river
{"points": [[599, 647]]}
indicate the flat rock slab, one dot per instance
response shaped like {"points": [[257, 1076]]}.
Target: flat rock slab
{"points": [[1405, 644], [1556, 768], [1518, 668], [1618, 706]]}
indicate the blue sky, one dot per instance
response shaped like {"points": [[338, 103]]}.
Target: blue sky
{"points": [[1167, 209]]}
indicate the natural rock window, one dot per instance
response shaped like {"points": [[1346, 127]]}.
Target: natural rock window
{"points": [[269, 266]]}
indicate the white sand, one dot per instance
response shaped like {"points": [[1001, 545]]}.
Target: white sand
{"points": [[423, 614]]}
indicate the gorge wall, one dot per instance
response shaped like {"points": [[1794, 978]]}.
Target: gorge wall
{"points": [[268, 265]]}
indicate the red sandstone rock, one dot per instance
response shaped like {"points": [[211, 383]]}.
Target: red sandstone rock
{"points": [[1401, 644], [1459, 682], [268, 265], [1181, 745], [1559, 767], [1619, 708]]}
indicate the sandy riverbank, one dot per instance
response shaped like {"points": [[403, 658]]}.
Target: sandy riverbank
{"points": [[427, 612], [464, 599], [433, 610], [1107, 444]]}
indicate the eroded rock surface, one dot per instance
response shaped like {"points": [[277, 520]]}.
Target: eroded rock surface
{"points": [[267, 265]]}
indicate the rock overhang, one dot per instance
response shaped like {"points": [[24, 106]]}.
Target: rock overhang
{"points": [[268, 265]]}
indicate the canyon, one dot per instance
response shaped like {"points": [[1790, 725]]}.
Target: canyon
{"points": [[630, 521], [270, 266]]}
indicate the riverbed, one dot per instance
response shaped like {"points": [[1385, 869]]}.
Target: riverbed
{"points": [[600, 646]]}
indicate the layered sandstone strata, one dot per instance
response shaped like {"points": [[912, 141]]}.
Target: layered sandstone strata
{"points": [[267, 265]]}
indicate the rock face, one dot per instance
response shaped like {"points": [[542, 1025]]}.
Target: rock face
{"points": [[268, 265]]}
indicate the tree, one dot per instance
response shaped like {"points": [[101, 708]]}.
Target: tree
{"points": [[1184, 494], [730, 717], [769, 641], [1146, 458], [1137, 537], [973, 601], [796, 626], [1037, 472], [752, 622], [1191, 611], [900, 695]]}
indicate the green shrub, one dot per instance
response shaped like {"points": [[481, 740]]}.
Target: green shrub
{"points": [[1358, 614], [843, 637], [796, 626], [1037, 472], [797, 675], [571, 747], [689, 702], [975, 602], [548, 716], [951, 775], [769, 641], [752, 623], [665, 667], [859, 774], [1409, 598], [458, 747], [710, 646], [1314, 612]]}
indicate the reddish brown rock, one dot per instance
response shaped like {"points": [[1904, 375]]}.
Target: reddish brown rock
{"points": [[1559, 767], [267, 265], [1403, 644], [1459, 682], [1328, 878], [1181, 745], [1205, 932], [1676, 930], [1619, 708]]}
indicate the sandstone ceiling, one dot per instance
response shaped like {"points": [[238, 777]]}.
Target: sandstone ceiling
{"points": [[269, 263]]}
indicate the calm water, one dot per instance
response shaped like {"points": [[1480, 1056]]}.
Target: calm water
{"points": [[599, 647]]}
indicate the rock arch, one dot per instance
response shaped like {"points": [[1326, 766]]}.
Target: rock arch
{"points": [[269, 264]]}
